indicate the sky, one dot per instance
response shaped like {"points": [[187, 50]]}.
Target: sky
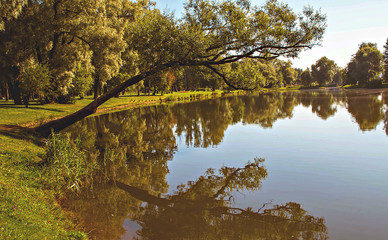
{"points": [[350, 22]]}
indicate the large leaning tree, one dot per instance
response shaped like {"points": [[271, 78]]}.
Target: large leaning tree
{"points": [[211, 34]]}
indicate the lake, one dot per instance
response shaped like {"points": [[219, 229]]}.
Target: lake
{"points": [[292, 165]]}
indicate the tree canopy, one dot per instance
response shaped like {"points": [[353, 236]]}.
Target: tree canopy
{"points": [[104, 38], [365, 66], [385, 55], [323, 71]]}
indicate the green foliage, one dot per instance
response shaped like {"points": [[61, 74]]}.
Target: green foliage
{"points": [[245, 74], [288, 74], [365, 66], [270, 73], [323, 71], [10, 9], [306, 78], [35, 80], [108, 37], [82, 82], [66, 164], [385, 60]]}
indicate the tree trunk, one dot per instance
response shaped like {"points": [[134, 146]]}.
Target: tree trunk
{"points": [[59, 124], [149, 88], [6, 94], [12, 87], [97, 87], [26, 100], [16, 94]]}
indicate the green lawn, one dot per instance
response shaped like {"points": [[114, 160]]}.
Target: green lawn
{"points": [[11, 114], [17, 114]]}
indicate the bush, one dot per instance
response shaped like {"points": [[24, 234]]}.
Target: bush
{"points": [[66, 99]]}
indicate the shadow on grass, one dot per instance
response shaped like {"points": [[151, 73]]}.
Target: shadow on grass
{"points": [[21, 133], [8, 106]]}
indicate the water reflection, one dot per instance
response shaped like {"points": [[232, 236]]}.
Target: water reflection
{"points": [[148, 133], [200, 209], [134, 147]]}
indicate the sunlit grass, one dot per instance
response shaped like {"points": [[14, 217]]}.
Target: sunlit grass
{"points": [[27, 210], [11, 114]]}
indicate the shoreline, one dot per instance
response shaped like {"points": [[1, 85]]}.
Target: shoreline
{"points": [[21, 172]]}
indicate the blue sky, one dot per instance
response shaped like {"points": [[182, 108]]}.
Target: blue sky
{"points": [[350, 22]]}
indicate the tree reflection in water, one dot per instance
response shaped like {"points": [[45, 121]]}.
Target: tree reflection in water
{"points": [[133, 148], [200, 209]]}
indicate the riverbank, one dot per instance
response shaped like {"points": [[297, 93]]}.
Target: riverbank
{"points": [[36, 113], [29, 207], [28, 201]]}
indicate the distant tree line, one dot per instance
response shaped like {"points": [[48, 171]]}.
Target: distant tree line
{"points": [[368, 67]]}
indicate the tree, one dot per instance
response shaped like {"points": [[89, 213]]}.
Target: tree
{"points": [[299, 73], [211, 34], [10, 9], [267, 69], [385, 56], [306, 78], [63, 34], [365, 66], [82, 81], [323, 71], [245, 72], [339, 76], [36, 75], [287, 72]]}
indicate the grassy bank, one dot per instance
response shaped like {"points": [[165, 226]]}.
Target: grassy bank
{"points": [[29, 193], [28, 206], [11, 114]]}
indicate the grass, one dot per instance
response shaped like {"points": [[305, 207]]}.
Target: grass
{"points": [[28, 210], [11, 114]]}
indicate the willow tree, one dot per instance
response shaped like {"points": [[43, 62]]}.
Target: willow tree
{"points": [[211, 34], [67, 36]]}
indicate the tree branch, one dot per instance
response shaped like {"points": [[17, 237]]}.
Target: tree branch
{"points": [[226, 81]]}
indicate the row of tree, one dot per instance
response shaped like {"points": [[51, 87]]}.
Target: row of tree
{"points": [[54, 50], [368, 67]]}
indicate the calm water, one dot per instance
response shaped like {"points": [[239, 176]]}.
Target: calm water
{"points": [[308, 165]]}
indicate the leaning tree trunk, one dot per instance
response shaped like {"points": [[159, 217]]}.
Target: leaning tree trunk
{"points": [[59, 124]]}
